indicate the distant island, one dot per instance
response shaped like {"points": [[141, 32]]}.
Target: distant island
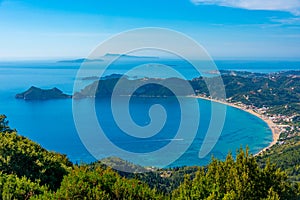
{"points": [[34, 93], [112, 76], [129, 56], [80, 60], [107, 56], [89, 78]]}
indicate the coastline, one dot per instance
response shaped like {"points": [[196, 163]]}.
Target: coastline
{"points": [[273, 127]]}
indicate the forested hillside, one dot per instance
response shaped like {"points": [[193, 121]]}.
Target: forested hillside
{"points": [[28, 171], [249, 88]]}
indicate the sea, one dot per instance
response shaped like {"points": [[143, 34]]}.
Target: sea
{"points": [[51, 123]]}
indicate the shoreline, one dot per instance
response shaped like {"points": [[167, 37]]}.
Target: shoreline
{"points": [[273, 127]]}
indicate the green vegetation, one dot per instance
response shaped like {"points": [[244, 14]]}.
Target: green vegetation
{"points": [[99, 183], [288, 109], [268, 90], [105, 87], [240, 179], [14, 187], [260, 89], [4, 124], [27, 171], [249, 88], [165, 180], [285, 156], [23, 157]]}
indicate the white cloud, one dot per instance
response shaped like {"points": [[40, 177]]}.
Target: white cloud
{"points": [[292, 6], [287, 21]]}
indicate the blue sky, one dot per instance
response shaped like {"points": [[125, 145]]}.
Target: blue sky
{"points": [[43, 29]]}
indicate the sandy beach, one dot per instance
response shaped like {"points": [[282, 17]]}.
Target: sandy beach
{"points": [[275, 130]]}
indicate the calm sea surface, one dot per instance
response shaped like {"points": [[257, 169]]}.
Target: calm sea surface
{"points": [[51, 124]]}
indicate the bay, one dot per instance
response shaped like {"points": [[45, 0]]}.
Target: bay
{"points": [[51, 124]]}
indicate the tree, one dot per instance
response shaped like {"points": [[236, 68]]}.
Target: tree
{"points": [[98, 184], [13, 187], [239, 179], [4, 124], [23, 157]]}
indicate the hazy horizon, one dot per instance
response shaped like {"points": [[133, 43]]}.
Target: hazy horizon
{"points": [[39, 30]]}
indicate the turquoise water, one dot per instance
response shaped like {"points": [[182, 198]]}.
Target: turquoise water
{"points": [[51, 124]]}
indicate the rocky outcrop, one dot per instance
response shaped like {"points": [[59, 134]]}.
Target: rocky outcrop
{"points": [[35, 93]]}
